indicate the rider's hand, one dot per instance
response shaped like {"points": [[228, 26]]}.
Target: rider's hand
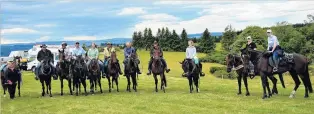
{"points": [[9, 82]]}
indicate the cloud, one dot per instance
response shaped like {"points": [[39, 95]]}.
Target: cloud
{"points": [[6, 41], [216, 16], [45, 25], [76, 38], [159, 17], [43, 38], [132, 11], [18, 31]]}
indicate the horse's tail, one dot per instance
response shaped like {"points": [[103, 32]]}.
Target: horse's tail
{"points": [[307, 79]]}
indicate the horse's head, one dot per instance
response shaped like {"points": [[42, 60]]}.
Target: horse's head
{"points": [[79, 62], [185, 65], [113, 57], [61, 55], [231, 61], [94, 66], [46, 68]]}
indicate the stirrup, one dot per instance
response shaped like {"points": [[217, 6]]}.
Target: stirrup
{"points": [[275, 69]]}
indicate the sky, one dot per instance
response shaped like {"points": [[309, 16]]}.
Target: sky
{"points": [[35, 21]]}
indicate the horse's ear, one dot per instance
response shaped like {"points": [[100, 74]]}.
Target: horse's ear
{"points": [[180, 62], [59, 51]]}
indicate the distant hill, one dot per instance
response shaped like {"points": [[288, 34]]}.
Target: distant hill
{"points": [[198, 35]]}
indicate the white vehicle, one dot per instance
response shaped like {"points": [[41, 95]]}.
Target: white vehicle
{"points": [[32, 56]]}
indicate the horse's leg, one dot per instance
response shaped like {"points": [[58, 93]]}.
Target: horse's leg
{"points": [[195, 79], [239, 83], [112, 82], [128, 88], [281, 80], [99, 82], [156, 82], [190, 83], [76, 83], [49, 84], [43, 87], [61, 81], [306, 95], [297, 82], [134, 81], [165, 80], [108, 77], [274, 80], [246, 85], [69, 84], [84, 85], [263, 78], [117, 82], [267, 87], [19, 87], [162, 82], [91, 80]]}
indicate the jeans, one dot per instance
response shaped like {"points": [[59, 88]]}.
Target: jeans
{"points": [[275, 56]]}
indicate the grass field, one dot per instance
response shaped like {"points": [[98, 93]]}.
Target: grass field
{"points": [[217, 96]]}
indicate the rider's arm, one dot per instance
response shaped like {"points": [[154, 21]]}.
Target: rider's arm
{"points": [[161, 53], [186, 53], [39, 56], [193, 52], [254, 46], [125, 53], [97, 53]]}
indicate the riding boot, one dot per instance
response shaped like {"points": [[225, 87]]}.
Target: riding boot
{"points": [[120, 71], [251, 66], [138, 70], [166, 66], [201, 69], [276, 60], [104, 72]]}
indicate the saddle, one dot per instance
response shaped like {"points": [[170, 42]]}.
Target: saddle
{"points": [[287, 58]]}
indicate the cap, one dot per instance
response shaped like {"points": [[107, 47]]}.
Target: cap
{"points": [[109, 43], [248, 38], [77, 42], [63, 43], [43, 46], [269, 31]]}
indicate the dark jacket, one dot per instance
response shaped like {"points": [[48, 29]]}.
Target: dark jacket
{"points": [[41, 55], [160, 52], [12, 75]]}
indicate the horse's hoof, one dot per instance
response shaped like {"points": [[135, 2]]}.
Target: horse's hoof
{"points": [[42, 95], [239, 93], [270, 95], [4, 95], [61, 94], [264, 97], [100, 91], [190, 91], [306, 96], [156, 90], [247, 94]]}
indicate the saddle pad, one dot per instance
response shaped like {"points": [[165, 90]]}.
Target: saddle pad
{"points": [[288, 57], [196, 61]]}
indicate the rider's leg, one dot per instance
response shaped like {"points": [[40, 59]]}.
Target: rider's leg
{"points": [[276, 60], [164, 63], [201, 68], [150, 66], [251, 66], [54, 73], [137, 67], [37, 70]]}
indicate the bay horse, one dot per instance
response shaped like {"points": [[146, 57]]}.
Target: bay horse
{"points": [[131, 72], [236, 62], [159, 69], [298, 67], [113, 71], [79, 72], [192, 72], [63, 71], [45, 74], [94, 75]]}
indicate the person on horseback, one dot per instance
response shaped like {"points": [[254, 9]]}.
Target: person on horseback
{"points": [[128, 50], [66, 52], [107, 54], [191, 56], [273, 46], [43, 53], [93, 53], [77, 51], [250, 45], [156, 50]]}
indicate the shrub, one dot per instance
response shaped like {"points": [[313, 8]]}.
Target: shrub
{"points": [[220, 72], [215, 57]]}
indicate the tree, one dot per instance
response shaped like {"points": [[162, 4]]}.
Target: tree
{"points": [[228, 37], [207, 44], [184, 40], [175, 41], [145, 38], [310, 19], [135, 40], [140, 38], [150, 36]]}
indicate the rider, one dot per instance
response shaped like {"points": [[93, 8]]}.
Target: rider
{"points": [[66, 52], [273, 46], [191, 55], [77, 51], [156, 50], [250, 45], [44, 52], [107, 54], [128, 50], [93, 53]]}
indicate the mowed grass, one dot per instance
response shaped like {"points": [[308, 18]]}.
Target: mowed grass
{"points": [[216, 96]]}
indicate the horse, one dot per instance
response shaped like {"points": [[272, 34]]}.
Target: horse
{"points": [[78, 70], [159, 69], [45, 75], [63, 71], [94, 75], [236, 62], [113, 71], [297, 66], [131, 71], [192, 72], [3, 81]]}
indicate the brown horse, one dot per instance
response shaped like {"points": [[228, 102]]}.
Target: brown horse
{"points": [[159, 69], [130, 72], [113, 71], [94, 75]]}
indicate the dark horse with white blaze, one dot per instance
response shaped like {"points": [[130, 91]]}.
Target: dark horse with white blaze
{"points": [[192, 72], [131, 71], [236, 62], [159, 69], [297, 66], [94, 75], [79, 71], [113, 71], [45, 74], [63, 71]]}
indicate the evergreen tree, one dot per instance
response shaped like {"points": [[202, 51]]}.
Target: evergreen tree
{"points": [[228, 37], [140, 38], [175, 41], [207, 44], [184, 40], [135, 40]]}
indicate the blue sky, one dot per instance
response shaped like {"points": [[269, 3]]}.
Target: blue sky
{"points": [[78, 20]]}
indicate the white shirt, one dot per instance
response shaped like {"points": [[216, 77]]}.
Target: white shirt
{"points": [[190, 52], [271, 40]]}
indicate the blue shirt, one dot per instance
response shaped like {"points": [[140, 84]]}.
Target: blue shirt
{"points": [[78, 51], [128, 51], [271, 40]]}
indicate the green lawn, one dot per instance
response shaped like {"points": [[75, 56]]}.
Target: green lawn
{"points": [[216, 96]]}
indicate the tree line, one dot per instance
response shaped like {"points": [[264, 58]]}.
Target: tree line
{"points": [[171, 41]]}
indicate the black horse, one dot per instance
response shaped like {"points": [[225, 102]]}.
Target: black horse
{"points": [[113, 71], [159, 69], [192, 72], [131, 72], [94, 75], [297, 66], [236, 62], [45, 74], [79, 71], [63, 71]]}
